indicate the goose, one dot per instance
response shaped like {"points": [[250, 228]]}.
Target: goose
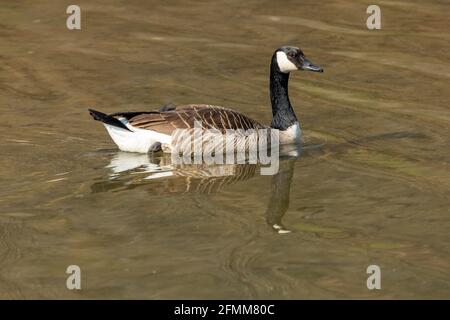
{"points": [[152, 131]]}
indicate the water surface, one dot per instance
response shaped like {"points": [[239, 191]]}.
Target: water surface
{"points": [[370, 187]]}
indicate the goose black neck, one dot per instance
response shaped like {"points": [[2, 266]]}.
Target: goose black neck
{"points": [[283, 114]]}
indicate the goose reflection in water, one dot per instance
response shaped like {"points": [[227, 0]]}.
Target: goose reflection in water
{"points": [[130, 170]]}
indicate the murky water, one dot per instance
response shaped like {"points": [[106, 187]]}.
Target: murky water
{"points": [[371, 185]]}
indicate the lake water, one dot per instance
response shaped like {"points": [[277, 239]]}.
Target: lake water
{"points": [[371, 185]]}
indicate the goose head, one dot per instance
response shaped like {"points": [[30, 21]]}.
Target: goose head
{"points": [[287, 59]]}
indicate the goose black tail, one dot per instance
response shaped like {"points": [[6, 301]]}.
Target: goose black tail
{"points": [[99, 116]]}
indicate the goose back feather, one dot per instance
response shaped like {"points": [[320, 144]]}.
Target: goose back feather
{"points": [[184, 117]]}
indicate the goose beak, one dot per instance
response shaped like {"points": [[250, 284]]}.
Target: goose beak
{"points": [[307, 65]]}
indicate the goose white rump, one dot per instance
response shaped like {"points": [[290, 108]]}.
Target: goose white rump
{"points": [[136, 140]]}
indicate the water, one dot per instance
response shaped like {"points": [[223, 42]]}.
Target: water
{"points": [[370, 187]]}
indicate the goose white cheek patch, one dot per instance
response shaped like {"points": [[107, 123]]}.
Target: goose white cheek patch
{"points": [[284, 64]]}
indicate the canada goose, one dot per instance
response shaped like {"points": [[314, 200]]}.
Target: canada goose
{"points": [[155, 130]]}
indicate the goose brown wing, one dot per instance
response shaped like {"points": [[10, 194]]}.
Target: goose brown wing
{"points": [[184, 117]]}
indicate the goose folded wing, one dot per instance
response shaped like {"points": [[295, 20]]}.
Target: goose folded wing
{"points": [[184, 117]]}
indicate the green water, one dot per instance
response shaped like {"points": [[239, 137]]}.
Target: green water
{"points": [[370, 187]]}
